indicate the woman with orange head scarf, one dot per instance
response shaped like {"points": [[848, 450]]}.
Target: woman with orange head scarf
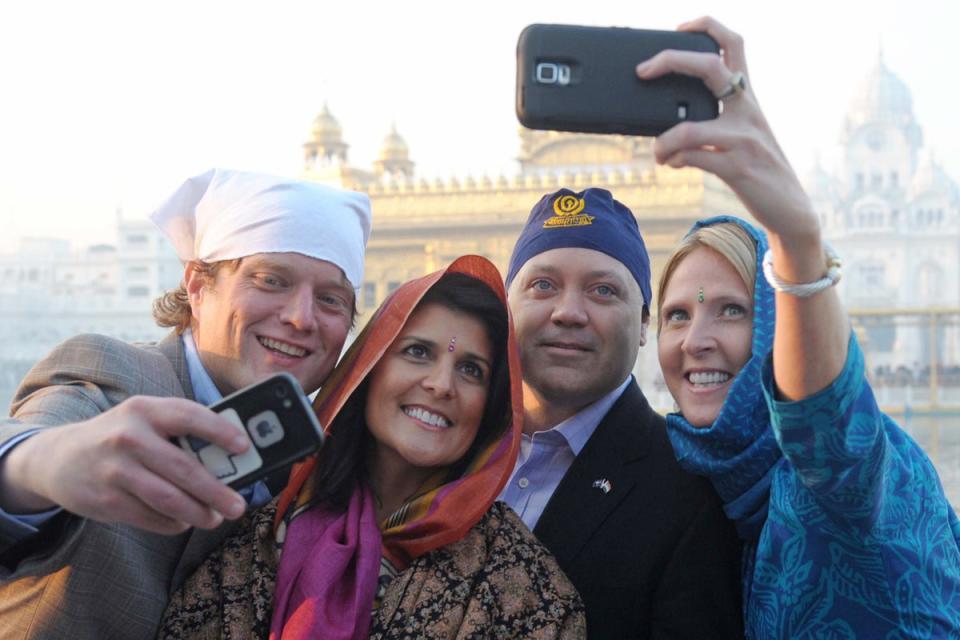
{"points": [[392, 530]]}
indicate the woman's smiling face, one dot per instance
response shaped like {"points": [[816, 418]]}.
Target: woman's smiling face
{"points": [[706, 328], [428, 392]]}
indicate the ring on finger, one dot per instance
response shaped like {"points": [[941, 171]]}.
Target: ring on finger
{"points": [[736, 85]]}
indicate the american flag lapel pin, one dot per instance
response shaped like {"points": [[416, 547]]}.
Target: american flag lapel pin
{"points": [[603, 484]]}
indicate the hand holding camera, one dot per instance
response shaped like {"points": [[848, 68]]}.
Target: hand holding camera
{"points": [[666, 84], [275, 417], [120, 467], [739, 146]]}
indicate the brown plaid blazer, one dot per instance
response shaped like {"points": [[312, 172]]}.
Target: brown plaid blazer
{"points": [[79, 578]]}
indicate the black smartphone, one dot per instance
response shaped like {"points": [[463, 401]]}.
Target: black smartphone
{"points": [[576, 78], [277, 418]]}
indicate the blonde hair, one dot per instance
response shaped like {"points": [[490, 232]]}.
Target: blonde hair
{"points": [[728, 239], [172, 309]]}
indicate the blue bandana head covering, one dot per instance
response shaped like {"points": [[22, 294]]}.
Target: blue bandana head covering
{"points": [[591, 219], [738, 452]]}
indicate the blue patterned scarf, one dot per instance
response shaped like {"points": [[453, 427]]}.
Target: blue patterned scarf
{"points": [[738, 452]]}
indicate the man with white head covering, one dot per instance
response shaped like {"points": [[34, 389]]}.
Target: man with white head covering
{"points": [[101, 514]]}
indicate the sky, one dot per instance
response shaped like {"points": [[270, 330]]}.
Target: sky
{"points": [[108, 106]]}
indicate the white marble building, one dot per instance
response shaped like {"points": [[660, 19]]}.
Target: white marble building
{"points": [[893, 214], [49, 292]]}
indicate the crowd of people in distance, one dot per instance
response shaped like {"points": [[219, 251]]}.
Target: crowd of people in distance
{"points": [[915, 375], [492, 469]]}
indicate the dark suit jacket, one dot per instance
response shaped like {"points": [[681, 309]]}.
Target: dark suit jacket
{"points": [[655, 557], [79, 578]]}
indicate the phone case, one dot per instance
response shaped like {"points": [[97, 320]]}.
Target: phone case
{"points": [[576, 78], [280, 423]]}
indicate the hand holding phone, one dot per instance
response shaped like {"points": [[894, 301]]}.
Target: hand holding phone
{"points": [[276, 417], [576, 78]]}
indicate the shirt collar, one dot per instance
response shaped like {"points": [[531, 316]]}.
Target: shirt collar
{"points": [[204, 389], [578, 428]]}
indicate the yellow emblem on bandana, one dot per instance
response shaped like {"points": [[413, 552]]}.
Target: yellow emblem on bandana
{"points": [[568, 209]]}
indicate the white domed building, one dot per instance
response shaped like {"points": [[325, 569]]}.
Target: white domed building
{"points": [[893, 214], [393, 161], [326, 147]]}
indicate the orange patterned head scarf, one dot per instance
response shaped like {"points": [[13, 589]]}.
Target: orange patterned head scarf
{"points": [[443, 512]]}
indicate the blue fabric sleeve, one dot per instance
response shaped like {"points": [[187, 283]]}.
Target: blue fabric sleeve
{"points": [[748, 511], [835, 440]]}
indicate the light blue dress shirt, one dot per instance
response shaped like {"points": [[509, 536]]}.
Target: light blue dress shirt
{"points": [[204, 391], [546, 455]]}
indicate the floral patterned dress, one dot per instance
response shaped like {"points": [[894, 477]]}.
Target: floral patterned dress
{"points": [[498, 581]]}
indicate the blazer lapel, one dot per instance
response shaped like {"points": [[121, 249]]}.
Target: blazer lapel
{"points": [[172, 349], [198, 542], [577, 507]]}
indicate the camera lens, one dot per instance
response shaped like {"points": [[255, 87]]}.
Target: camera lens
{"points": [[264, 428], [281, 392], [546, 73]]}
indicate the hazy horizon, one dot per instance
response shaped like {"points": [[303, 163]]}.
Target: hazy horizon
{"points": [[112, 105]]}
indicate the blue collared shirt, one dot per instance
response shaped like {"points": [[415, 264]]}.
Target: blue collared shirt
{"points": [[204, 391], [546, 456]]}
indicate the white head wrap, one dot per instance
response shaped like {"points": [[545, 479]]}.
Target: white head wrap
{"points": [[223, 214]]}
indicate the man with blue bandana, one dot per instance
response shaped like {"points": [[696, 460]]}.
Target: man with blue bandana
{"points": [[647, 544]]}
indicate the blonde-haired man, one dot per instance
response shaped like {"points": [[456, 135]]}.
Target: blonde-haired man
{"points": [[101, 515]]}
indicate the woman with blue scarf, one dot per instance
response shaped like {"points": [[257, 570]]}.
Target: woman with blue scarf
{"points": [[848, 532]]}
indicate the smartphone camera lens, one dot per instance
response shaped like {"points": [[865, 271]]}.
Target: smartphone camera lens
{"points": [[281, 392], [264, 429], [553, 73], [547, 73]]}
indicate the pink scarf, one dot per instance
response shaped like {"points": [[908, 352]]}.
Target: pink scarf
{"points": [[330, 564], [329, 581]]}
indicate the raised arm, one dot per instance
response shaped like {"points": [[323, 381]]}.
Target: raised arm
{"points": [[810, 344]]}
